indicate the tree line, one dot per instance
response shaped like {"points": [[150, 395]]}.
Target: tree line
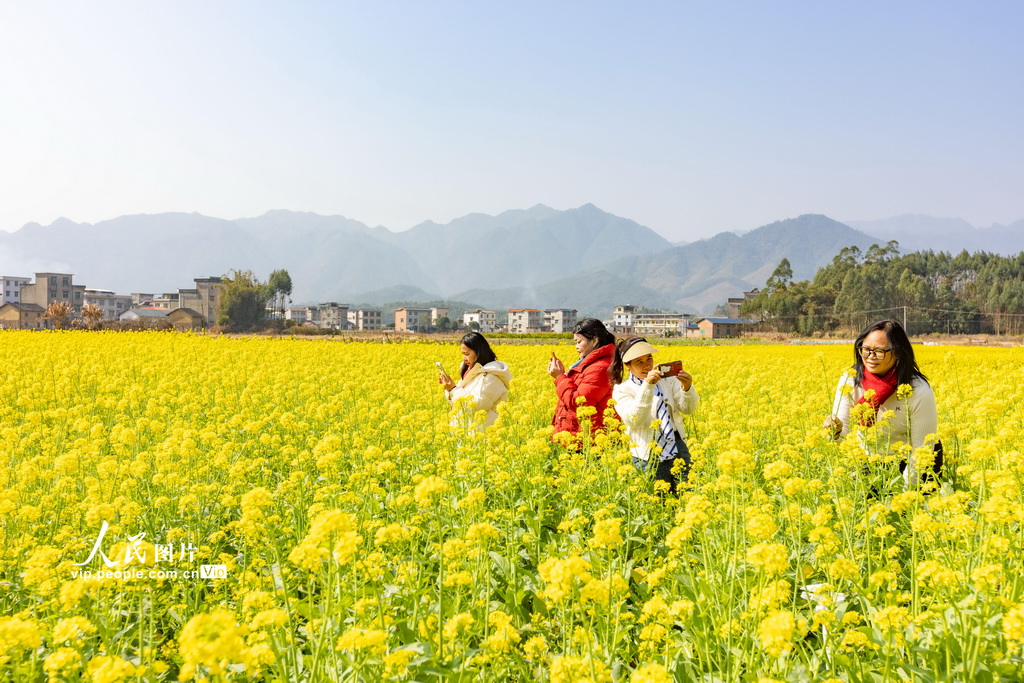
{"points": [[935, 292]]}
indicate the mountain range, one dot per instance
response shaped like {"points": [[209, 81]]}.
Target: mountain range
{"points": [[582, 258]]}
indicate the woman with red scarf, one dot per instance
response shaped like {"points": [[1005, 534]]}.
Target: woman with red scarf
{"points": [[883, 364], [590, 378]]}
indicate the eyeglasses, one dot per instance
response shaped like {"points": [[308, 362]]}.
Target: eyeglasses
{"points": [[874, 353]]}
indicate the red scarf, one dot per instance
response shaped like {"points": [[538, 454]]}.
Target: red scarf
{"points": [[884, 386]]}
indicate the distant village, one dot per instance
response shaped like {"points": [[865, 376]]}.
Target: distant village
{"points": [[25, 303]]}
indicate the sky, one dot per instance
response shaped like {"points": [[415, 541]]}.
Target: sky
{"points": [[690, 118]]}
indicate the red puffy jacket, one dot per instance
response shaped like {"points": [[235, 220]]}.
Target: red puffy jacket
{"points": [[589, 379]]}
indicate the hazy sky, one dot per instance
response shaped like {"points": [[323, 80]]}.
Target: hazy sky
{"points": [[690, 118]]}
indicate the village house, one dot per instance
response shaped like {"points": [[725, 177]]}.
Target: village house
{"points": [[299, 314], [437, 313], [12, 284], [734, 303], [720, 328], [146, 316], [203, 298], [334, 316], [50, 288], [413, 319], [663, 324], [622, 319], [112, 305], [365, 319], [486, 321], [184, 319], [19, 316], [524, 320], [560, 319]]}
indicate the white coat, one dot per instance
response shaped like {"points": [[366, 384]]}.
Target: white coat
{"points": [[914, 420], [637, 409], [487, 386]]}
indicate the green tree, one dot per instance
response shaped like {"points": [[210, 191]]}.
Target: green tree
{"points": [[279, 287], [243, 305], [781, 278]]}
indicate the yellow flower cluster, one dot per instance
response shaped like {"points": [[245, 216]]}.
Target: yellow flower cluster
{"points": [[184, 507]]}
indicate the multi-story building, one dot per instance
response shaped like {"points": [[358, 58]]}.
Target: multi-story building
{"points": [[11, 293], [334, 315], [300, 314], [661, 323], [52, 288], [437, 313], [112, 305], [168, 300], [735, 302], [622, 318], [486, 321], [412, 319], [364, 319], [204, 298], [560, 319], [524, 320]]}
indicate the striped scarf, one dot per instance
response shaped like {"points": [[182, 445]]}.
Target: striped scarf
{"points": [[667, 432]]}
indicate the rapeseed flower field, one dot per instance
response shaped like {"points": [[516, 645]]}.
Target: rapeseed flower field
{"points": [[203, 508]]}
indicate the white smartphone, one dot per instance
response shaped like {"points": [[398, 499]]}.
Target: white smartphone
{"points": [[439, 366]]}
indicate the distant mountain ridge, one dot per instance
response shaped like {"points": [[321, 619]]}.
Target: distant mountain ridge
{"points": [[915, 232], [539, 257]]}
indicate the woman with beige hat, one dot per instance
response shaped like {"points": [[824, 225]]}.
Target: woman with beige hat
{"points": [[651, 402]]}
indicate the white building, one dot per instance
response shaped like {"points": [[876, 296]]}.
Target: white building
{"points": [[524, 320], [300, 315], [661, 323], [560, 319], [623, 318], [486, 321], [112, 305], [12, 288], [364, 319]]}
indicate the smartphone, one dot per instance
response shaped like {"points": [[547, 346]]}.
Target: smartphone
{"points": [[439, 366], [671, 369]]}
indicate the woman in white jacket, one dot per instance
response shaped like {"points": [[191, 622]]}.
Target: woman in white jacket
{"points": [[651, 407], [483, 383], [883, 362]]}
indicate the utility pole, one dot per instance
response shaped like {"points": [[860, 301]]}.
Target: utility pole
{"points": [[905, 321]]}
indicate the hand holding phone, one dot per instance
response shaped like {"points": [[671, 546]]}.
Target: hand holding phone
{"points": [[670, 369], [555, 366], [443, 379]]}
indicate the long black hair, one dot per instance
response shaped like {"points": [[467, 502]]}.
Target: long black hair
{"points": [[479, 345], [899, 342], [592, 328]]}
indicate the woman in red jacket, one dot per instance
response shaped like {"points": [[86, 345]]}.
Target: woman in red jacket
{"points": [[590, 378]]}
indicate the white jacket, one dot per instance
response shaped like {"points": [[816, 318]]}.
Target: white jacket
{"points": [[913, 420], [636, 408], [487, 385]]}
